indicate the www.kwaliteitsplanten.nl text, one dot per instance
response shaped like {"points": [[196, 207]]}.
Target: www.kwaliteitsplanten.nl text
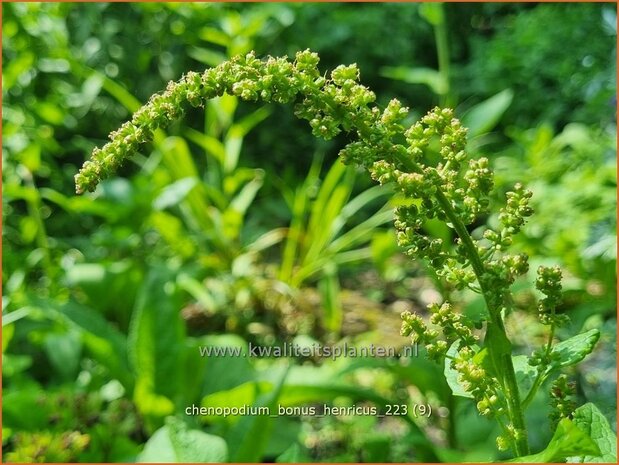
{"points": [[312, 350]]}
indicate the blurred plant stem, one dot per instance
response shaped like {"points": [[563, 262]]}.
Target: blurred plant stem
{"points": [[442, 51]]}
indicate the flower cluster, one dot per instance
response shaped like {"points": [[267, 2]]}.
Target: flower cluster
{"points": [[476, 381], [549, 283], [562, 401], [429, 168], [454, 327]]}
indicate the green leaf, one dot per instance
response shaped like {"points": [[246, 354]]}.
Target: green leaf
{"points": [[244, 199], [155, 343], [174, 193], [234, 137], [451, 375], [198, 291], [244, 394], [64, 352], [484, 116], [105, 343], [117, 91], [568, 440], [590, 420], [266, 240], [329, 287], [213, 146], [576, 348], [179, 162], [224, 371], [525, 373], [175, 443], [430, 77], [12, 317], [362, 232], [7, 335], [252, 434], [206, 56], [294, 454], [499, 349]]}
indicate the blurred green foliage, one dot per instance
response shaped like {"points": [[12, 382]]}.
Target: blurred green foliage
{"points": [[224, 234], [560, 74]]}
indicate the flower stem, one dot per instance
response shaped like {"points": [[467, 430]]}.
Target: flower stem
{"points": [[509, 383]]}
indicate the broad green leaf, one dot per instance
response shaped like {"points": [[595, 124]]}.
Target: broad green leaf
{"points": [[590, 420], [294, 454], [244, 394], [176, 443], [253, 433], [576, 348], [225, 370], [525, 373], [174, 193], [430, 77], [155, 343], [106, 344], [567, 441], [64, 352], [484, 116], [451, 375], [104, 282], [26, 399], [499, 351]]}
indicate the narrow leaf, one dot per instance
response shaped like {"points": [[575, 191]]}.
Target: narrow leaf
{"points": [[484, 116], [174, 193], [329, 287], [430, 77]]}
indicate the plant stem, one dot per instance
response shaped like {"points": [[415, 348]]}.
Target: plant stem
{"points": [[541, 374], [442, 51], [516, 411]]}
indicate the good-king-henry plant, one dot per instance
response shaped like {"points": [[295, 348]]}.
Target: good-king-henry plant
{"points": [[454, 190]]}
